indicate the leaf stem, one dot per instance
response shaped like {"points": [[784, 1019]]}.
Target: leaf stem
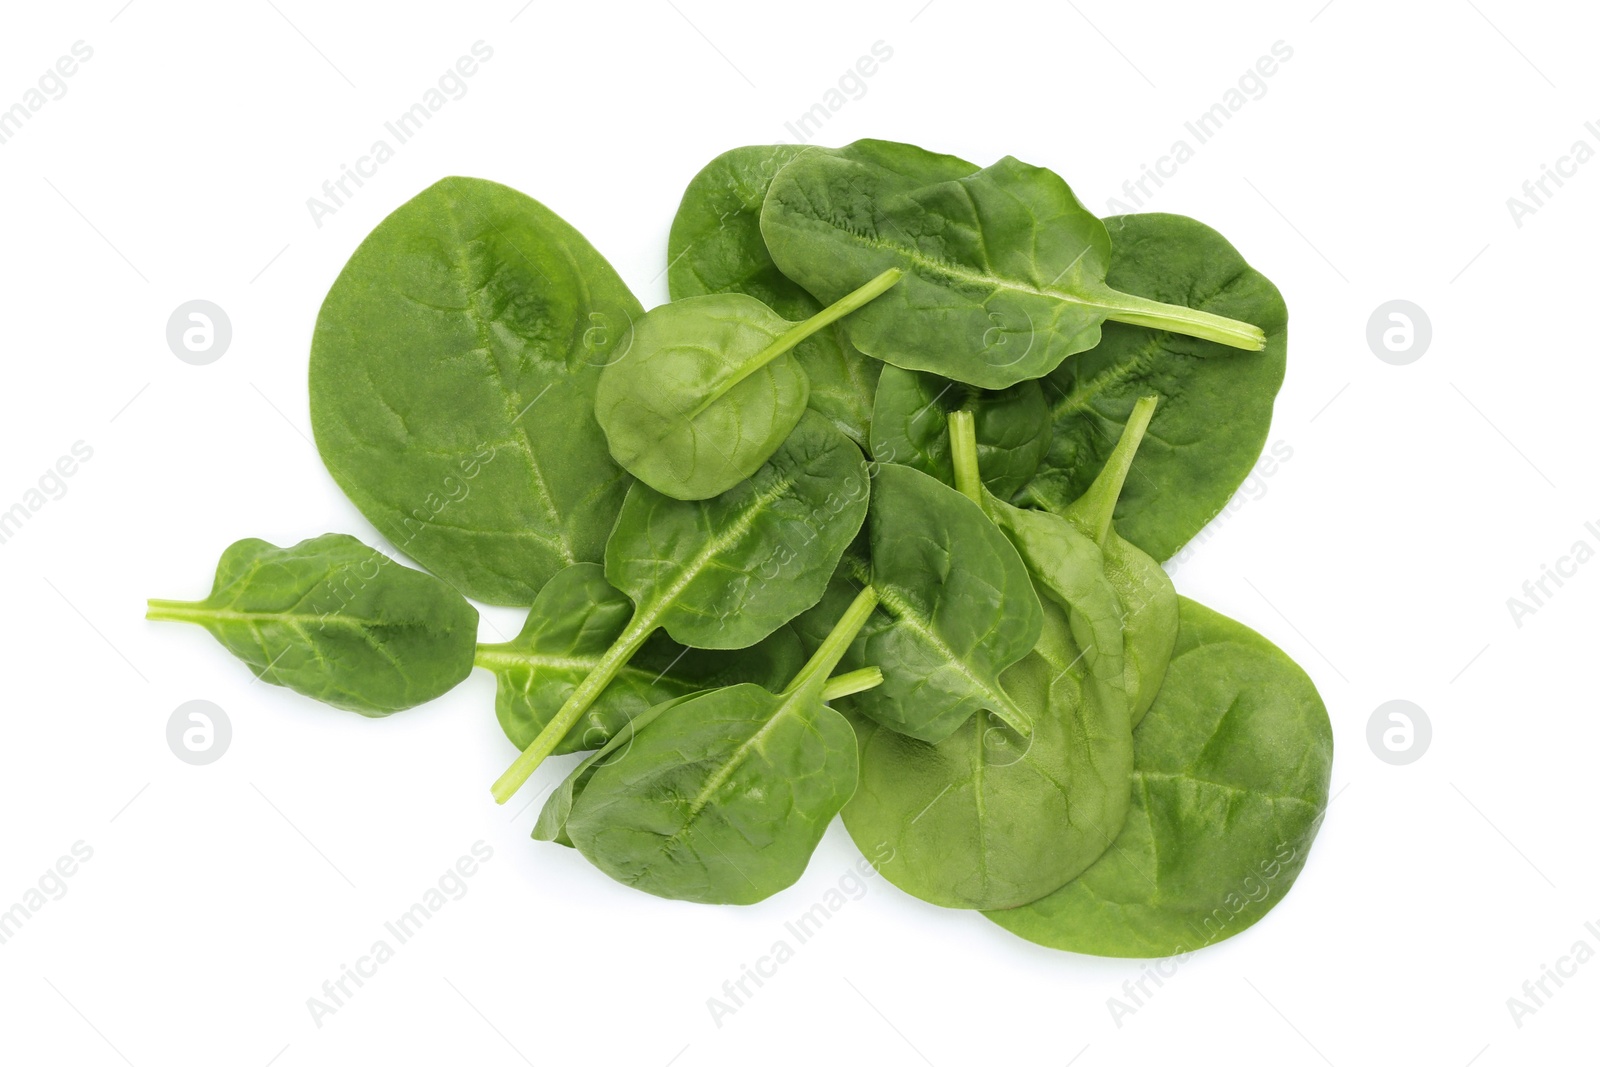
{"points": [[800, 331], [175, 610], [1192, 322], [834, 646], [580, 700], [964, 456], [859, 681], [1095, 507]]}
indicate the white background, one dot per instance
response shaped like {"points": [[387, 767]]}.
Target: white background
{"points": [[1418, 499]]}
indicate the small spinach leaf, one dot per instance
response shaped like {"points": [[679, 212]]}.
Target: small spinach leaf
{"points": [[1013, 427], [337, 621], [453, 372], [1230, 782], [706, 388], [724, 572], [576, 617], [1216, 403], [716, 247], [722, 798], [956, 609], [1005, 269]]}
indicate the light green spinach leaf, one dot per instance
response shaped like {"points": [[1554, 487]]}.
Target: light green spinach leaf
{"points": [[707, 387], [715, 247]]}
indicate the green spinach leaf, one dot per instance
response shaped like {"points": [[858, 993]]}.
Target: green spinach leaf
{"points": [[706, 388], [574, 620], [337, 621], [1216, 403], [1012, 427], [1149, 600], [716, 247], [1005, 269], [722, 798], [453, 373], [1230, 782], [724, 572], [956, 609]]}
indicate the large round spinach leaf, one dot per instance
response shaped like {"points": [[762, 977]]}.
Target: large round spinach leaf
{"points": [[453, 374], [1229, 785]]}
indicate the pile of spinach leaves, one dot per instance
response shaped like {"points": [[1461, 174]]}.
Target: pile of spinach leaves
{"points": [[867, 521]]}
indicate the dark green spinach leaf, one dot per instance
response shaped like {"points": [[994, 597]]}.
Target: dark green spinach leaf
{"points": [[337, 621], [453, 373], [724, 572], [1230, 782], [723, 797], [1216, 402], [1005, 269]]}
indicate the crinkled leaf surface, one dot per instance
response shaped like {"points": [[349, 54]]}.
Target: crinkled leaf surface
{"points": [[1231, 775], [1005, 268], [716, 247], [453, 373], [337, 621], [574, 620], [1216, 402]]}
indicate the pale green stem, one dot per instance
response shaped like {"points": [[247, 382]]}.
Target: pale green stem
{"points": [[176, 610], [834, 646], [964, 456], [843, 685], [801, 330], [581, 699], [1192, 322], [1095, 507]]}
